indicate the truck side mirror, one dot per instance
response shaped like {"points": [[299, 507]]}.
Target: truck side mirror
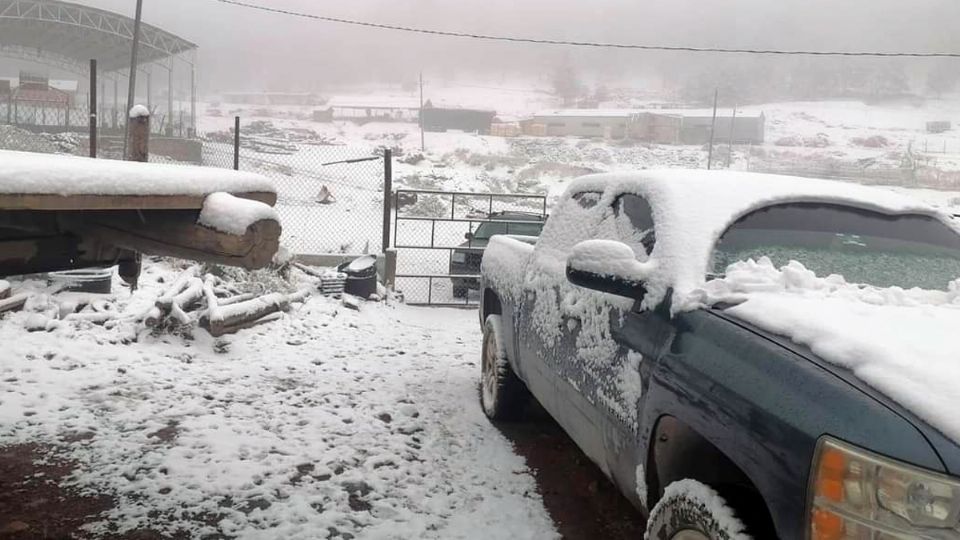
{"points": [[607, 266]]}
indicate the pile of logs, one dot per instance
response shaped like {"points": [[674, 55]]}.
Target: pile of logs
{"points": [[207, 301]]}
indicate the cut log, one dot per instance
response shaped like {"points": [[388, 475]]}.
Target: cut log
{"points": [[178, 235], [225, 319], [235, 299], [4, 289], [13, 303], [250, 324]]}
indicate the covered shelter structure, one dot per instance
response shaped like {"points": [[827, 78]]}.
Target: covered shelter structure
{"points": [[65, 36]]}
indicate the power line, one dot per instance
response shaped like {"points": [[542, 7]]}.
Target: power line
{"points": [[514, 39]]}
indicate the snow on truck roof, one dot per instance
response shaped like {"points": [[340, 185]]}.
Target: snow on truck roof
{"points": [[691, 209], [23, 173]]}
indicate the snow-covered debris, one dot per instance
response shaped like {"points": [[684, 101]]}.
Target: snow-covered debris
{"points": [[28, 173], [232, 215], [691, 209], [916, 362], [139, 111], [366, 423]]}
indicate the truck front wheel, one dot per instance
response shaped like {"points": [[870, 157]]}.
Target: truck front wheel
{"points": [[690, 510], [502, 393]]}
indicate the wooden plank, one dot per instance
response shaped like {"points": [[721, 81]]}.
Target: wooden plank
{"points": [[47, 202]]}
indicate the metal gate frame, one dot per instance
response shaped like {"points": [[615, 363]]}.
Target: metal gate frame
{"points": [[398, 244]]}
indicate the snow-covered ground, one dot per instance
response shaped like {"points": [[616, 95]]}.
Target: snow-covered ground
{"points": [[328, 423]]}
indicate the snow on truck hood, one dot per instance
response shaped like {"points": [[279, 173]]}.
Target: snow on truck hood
{"points": [[691, 209], [901, 342], [45, 174]]}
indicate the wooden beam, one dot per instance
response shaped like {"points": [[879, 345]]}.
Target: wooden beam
{"points": [[48, 202]]}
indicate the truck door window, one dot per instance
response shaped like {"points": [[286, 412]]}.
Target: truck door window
{"points": [[634, 219], [587, 199]]}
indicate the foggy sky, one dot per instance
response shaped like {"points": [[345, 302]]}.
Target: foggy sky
{"points": [[242, 49]]}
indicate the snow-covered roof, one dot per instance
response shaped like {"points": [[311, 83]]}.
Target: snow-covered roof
{"points": [[691, 209], [45, 174], [374, 102], [627, 113], [591, 113]]}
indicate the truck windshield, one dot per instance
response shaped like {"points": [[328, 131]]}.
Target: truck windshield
{"points": [[863, 246], [490, 228]]}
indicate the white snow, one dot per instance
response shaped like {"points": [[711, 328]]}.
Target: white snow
{"points": [[915, 363], [711, 501], [43, 174], [367, 422], [691, 209], [232, 215], [608, 258], [139, 111]]}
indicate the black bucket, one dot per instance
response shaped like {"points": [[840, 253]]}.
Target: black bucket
{"points": [[361, 276]]}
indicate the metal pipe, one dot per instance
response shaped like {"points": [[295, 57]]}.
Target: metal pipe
{"points": [[387, 191], [93, 108], [236, 143], [132, 86], [713, 125]]}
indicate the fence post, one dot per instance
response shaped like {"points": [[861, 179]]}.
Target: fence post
{"points": [[236, 143], [93, 108], [139, 133], [387, 191]]}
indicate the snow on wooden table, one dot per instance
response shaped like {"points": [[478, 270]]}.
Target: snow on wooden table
{"points": [[53, 182]]}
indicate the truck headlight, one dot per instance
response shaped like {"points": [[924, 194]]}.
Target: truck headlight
{"points": [[459, 257], [856, 494]]}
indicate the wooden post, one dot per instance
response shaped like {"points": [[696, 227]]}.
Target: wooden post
{"points": [[93, 108], [387, 192], [139, 137], [236, 143], [132, 86]]}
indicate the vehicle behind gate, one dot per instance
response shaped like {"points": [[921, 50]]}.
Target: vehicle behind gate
{"points": [[742, 354]]}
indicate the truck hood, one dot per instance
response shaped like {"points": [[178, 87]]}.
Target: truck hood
{"points": [[905, 354]]}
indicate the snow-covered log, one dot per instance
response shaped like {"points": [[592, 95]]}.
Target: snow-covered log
{"points": [[13, 303], [224, 319]]}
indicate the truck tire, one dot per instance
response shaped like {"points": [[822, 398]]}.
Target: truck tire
{"points": [[690, 510], [502, 393]]}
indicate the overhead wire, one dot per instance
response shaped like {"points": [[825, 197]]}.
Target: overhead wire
{"points": [[606, 45]]}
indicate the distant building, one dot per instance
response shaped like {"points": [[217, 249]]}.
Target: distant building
{"points": [[375, 108], [302, 99], [665, 126], [748, 127], [445, 119], [606, 123]]}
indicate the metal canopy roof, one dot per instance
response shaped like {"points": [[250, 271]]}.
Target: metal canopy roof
{"points": [[68, 35]]}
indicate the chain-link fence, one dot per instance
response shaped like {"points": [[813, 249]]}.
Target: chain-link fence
{"points": [[330, 197]]}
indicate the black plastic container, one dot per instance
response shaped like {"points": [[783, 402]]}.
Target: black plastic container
{"points": [[361, 276]]}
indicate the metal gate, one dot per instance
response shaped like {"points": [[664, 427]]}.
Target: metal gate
{"points": [[440, 237]]}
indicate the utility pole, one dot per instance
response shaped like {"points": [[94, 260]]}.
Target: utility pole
{"points": [[423, 146], [733, 121], [713, 126], [132, 88]]}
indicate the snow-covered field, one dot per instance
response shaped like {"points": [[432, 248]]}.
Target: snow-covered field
{"points": [[801, 137], [329, 423]]}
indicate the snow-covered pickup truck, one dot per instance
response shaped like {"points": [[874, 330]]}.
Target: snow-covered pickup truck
{"points": [[744, 355]]}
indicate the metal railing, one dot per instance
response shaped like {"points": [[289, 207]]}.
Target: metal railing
{"points": [[425, 237]]}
